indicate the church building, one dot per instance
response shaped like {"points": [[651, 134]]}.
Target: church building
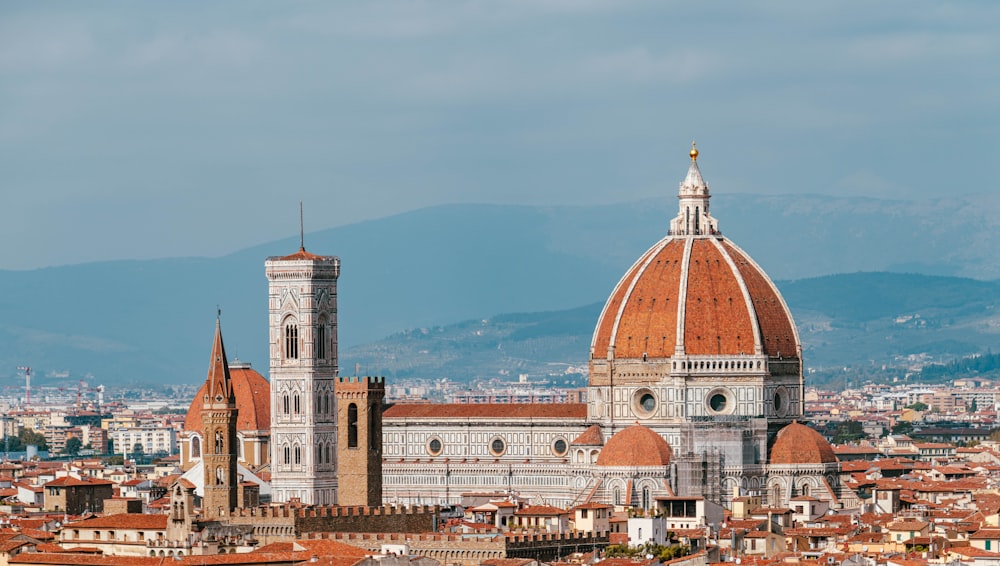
{"points": [[696, 389]]}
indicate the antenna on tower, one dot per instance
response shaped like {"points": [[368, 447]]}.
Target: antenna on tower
{"points": [[302, 229]]}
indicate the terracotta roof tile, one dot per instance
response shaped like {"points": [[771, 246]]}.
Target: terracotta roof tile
{"points": [[636, 445], [123, 521], [253, 399]]}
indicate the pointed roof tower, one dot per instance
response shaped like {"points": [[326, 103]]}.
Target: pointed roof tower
{"points": [[220, 386], [693, 218]]}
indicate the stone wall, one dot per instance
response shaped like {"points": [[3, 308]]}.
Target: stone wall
{"points": [[473, 548]]}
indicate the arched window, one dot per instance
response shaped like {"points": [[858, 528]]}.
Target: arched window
{"points": [[775, 496], [195, 447], [321, 340], [319, 454], [291, 341], [298, 454], [329, 454], [288, 455], [284, 404], [219, 476], [297, 404], [352, 426], [220, 443], [805, 490], [645, 497]]}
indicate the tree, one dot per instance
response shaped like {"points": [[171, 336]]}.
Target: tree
{"points": [[73, 446], [137, 451], [902, 427], [918, 406], [848, 431], [29, 436]]}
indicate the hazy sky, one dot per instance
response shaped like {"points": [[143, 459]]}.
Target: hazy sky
{"points": [[140, 130]]}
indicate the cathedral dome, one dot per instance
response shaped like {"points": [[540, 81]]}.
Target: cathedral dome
{"points": [[798, 444], [253, 399], [635, 446], [694, 294]]}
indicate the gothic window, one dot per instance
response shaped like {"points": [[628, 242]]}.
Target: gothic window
{"points": [[291, 341], [288, 459], [805, 490], [321, 340], [284, 404], [298, 455], [352, 426], [195, 447], [319, 454], [329, 452], [645, 497], [220, 444], [219, 475], [297, 404]]}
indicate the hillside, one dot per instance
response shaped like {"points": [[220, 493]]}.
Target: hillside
{"points": [[856, 321], [151, 320]]}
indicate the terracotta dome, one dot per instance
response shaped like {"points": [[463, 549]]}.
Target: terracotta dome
{"points": [[635, 446], [798, 444], [253, 399], [694, 293]]}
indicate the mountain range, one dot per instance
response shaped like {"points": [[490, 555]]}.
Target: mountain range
{"points": [[151, 321]]}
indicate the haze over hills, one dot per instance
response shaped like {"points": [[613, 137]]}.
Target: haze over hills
{"points": [[151, 321], [853, 320]]}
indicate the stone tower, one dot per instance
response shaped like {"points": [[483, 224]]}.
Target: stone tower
{"points": [[302, 306], [218, 414], [359, 454]]}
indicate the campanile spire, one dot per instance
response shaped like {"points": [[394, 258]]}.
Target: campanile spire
{"points": [[693, 218]]}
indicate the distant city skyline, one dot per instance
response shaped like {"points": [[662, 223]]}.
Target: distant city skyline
{"points": [[144, 130]]}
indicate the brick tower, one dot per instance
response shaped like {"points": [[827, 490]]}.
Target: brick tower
{"points": [[359, 454], [219, 417], [302, 302]]}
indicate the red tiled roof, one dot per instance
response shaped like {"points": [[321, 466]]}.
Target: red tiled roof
{"points": [[253, 399], [123, 521], [590, 437], [491, 410], [798, 444], [636, 446], [302, 254], [641, 314], [546, 510], [68, 481]]}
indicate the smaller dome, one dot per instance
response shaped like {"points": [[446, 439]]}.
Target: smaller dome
{"points": [[253, 399], [635, 446], [798, 444]]}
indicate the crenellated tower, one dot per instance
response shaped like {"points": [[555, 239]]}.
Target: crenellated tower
{"points": [[359, 455], [219, 414], [302, 306]]}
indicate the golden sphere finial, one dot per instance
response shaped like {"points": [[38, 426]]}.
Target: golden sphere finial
{"points": [[694, 151]]}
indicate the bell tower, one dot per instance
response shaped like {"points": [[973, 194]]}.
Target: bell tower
{"points": [[218, 414], [359, 420], [302, 307]]}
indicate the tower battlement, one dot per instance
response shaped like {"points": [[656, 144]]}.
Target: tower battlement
{"points": [[360, 383]]}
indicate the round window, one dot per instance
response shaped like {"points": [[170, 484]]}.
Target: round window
{"points": [[717, 402], [781, 403], [648, 402], [644, 403], [559, 447], [434, 447], [497, 446]]}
